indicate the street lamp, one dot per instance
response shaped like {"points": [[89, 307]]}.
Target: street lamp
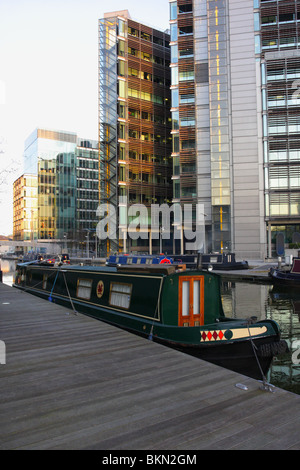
{"points": [[87, 243], [161, 230]]}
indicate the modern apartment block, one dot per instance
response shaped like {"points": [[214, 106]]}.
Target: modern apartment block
{"points": [[235, 96], [134, 124], [65, 169]]}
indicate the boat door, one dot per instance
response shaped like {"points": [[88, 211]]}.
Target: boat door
{"points": [[191, 301]]}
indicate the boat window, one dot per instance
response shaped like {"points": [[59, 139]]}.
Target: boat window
{"points": [[120, 294], [196, 299], [185, 298], [129, 260], [45, 279], [84, 288]]}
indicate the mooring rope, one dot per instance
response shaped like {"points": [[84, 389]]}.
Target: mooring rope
{"points": [[265, 384], [74, 311], [50, 296]]}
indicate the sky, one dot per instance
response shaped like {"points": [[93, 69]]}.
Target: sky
{"points": [[49, 73]]}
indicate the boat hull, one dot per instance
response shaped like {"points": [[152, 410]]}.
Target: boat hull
{"points": [[284, 280], [237, 357]]}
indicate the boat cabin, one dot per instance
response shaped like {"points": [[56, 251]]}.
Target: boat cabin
{"points": [[296, 266], [160, 293]]}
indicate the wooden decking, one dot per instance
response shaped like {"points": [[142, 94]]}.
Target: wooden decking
{"points": [[72, 382]]}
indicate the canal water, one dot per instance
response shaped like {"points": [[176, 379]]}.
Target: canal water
{"points": [[243, 300]]}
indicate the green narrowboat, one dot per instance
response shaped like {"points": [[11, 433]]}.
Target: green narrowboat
{"points": [[176, 307]]}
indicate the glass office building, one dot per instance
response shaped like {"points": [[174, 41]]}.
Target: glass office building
{"points": [[66, 168], [200, 110], [278, 48]]}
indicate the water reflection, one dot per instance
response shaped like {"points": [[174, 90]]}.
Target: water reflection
{"points": [[242, 300], [8, 268]]}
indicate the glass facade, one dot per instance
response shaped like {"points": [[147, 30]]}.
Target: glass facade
{"points": [[51, 156], [200, 106], [280, 65], [219, 124], [183, 109], [66, 172], [109, 87]]}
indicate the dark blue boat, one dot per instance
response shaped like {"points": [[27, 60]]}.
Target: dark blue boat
{"points": [[115, 260], [286, 278], [217, 261]]}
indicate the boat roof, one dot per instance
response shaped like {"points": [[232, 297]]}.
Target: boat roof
{"points": [[164, 270]]}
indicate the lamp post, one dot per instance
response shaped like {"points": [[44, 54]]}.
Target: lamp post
{"points": [[160, 238], [87, 243], [65, 242]]}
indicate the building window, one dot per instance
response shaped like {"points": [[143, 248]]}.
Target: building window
{"points": [[173, 10], [146, 36], [175, 98], [173, 32], [174, 54], [121, 28], [84, 288], [174, 75], [187, 121], [268, 20], [188, 98], [184, 30], [187, 8], [186, 75], [120, 294], [133, 32]]}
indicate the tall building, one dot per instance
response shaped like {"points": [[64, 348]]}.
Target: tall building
{"points": [[25, 208], [277, 29], [66, 172], [87, 194], [235, 97], [134, 124]]}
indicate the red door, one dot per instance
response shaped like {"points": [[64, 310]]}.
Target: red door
{"points": [[191, 301]]}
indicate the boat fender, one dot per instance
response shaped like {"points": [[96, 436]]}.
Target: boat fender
{"points": [[273, 349]]}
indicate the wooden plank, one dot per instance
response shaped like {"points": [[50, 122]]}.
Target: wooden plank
{"points": [[72, 382]]}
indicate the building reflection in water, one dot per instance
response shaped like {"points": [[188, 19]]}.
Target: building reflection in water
{"points": [[242, 300]]}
